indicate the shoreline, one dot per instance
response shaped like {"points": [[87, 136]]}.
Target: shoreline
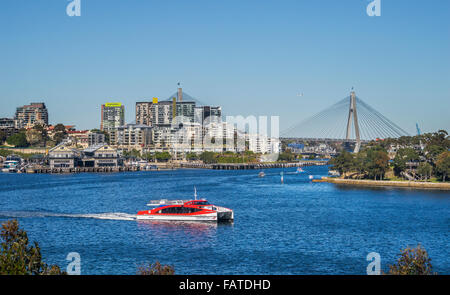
{"points": [[387, 183], [173, 166]]}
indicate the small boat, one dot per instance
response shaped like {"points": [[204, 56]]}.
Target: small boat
{"points": [[333, 173], [261, 174], [299, 170], [10, 166], [186, 210]]}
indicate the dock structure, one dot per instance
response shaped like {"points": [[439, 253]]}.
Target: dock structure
{"points": [[170, 166], [81, 169], [251, 166]]}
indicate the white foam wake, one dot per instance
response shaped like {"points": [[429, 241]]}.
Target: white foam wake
{"points": [[31, 214]]}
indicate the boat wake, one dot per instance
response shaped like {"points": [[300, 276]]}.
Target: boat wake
{"points": [[34, 214]]}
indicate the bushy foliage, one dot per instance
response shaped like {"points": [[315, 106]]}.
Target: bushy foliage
{"points": [[403, 156], [443, 165], [377, 162], [17, 257], [192, 157], [412, 261], [156, 269], [208, 157], [18, 140], [286, 157]]}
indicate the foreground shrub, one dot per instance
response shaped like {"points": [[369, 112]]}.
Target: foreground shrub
{"points": [[412, 261], [156, 269], [17, 257]]}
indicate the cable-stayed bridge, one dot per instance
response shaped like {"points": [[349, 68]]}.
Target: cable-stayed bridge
{"points": [[349, 120]]}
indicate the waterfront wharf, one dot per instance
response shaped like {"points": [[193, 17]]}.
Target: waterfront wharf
{"points": [[251, 166], [171, 166]]}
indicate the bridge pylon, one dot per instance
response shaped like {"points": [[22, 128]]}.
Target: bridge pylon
{"points": [[353, 114]]}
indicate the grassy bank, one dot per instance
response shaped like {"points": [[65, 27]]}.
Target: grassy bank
{"points": [[387, 183]]}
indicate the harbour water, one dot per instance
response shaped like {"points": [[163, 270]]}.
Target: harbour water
{"points": [[297, 227]]}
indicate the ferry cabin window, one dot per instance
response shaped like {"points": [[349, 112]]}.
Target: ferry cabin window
{"points": [[178, 210], [202, 203]]}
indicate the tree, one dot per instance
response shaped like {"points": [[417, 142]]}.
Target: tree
{"points": [[359, 163], [403, 156], [17, 257], [60, 133], [3, 136], [59, 137], [33, 136], [424, 170], [163, 156], [443, 165], [413, 261], [18, 140], [59, 128], [192, 157], [377, 162], [208, 157], [343, 163], [43, 133], [286, 157], [156, 269]]}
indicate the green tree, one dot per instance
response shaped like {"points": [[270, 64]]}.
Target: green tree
{"points": [[443, 165], [33, 136], [424, 170], [3, 136], [343, 163], [403, 156], [17, 257], [59, 133], [377, 162], [286, 157], [412, 261], [60, 128], [43, 134], [208, 157], [18, 140], [192, 156], [359, 163], [163, 156]]}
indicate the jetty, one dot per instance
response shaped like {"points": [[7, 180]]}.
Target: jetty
{"points": [[173, 166], [251, 166]]}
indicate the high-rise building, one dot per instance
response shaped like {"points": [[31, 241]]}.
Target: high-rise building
{"points": [[112, 116], [162, 113], [8, 126], [186, 109], [133, 135], [204, 112], [29, 115], [144, 113]]}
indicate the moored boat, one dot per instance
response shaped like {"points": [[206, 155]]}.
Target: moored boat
{"points": [[10, 166]]}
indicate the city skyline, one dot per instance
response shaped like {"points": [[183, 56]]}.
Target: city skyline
{"points": [[229, 56]]}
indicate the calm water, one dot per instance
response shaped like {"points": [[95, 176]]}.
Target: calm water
{"points": [[295, 228]]}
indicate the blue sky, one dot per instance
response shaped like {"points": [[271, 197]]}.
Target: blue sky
{"points": [[250, 57]]}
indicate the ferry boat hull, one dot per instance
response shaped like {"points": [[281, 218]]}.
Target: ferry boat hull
{"points": [[195, 210]]}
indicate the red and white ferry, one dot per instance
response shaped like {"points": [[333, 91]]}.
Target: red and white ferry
{"points": [[186, 210]]}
